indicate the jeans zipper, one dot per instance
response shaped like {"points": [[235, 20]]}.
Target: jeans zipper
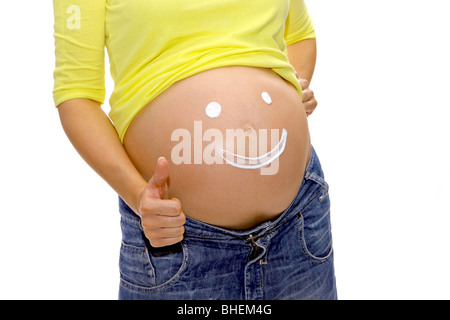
{"points": [[256, 250]]}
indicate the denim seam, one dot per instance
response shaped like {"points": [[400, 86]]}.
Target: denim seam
{"points": [[304, 247], [135, 222], [147, 254], [139, 250], [194, 236], [225, 234], [319, 180], [162, 287]]}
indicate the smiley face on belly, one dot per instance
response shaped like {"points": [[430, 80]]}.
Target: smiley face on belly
{"points": [[215, 152]]}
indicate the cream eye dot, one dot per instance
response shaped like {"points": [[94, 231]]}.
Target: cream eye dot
{"points": [[266, 97], [213, 110]]}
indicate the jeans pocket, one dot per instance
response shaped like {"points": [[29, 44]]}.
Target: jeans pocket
{"points": [[315, 229], [149, 269], [135, 266], [168, 262]]}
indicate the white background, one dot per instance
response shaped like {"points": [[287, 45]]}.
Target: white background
{"points": [[381, 131]]}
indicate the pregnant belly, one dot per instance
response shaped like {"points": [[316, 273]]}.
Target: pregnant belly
{"points": [[237, 142]]}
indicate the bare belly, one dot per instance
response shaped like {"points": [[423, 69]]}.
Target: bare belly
{"points": [[211, 187]]}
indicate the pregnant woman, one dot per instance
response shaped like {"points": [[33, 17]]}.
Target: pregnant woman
{"points": [[207, 144]]}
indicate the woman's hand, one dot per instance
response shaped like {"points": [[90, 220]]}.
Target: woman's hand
{"points": [[162, 218], [309, 100]]}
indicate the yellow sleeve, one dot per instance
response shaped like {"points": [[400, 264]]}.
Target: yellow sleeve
{"points": [[79, 50], [299, 25]]}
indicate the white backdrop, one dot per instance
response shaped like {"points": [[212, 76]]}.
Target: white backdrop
{"points": [[381, 131]]}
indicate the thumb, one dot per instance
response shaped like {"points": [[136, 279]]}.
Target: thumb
{"points": [[158, 184]]}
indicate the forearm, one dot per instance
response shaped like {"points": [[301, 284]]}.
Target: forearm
{"points": [[94, 137], [302, 55]]}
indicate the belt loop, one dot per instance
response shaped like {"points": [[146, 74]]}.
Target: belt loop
{"points": [[325, 193]]}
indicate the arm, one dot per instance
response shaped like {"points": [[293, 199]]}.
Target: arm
{"points": [[300, 38], [302, 55], [78, 93], [95, 139], [301, 49]]}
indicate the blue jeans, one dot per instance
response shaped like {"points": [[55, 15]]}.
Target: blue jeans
{"points": [[290, 257]]}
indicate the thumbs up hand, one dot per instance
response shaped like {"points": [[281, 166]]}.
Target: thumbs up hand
{"points": [[162, 218]]}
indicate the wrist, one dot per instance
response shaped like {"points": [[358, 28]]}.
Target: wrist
{"points": [[136, 195], [131, 191]]}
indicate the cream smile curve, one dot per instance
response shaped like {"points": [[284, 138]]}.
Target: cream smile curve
{"points": [[255, 163]]}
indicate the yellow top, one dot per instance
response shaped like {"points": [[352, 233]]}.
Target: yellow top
{"points": [[154, 43]]}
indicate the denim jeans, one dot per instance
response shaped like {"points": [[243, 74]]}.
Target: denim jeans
{"points": [[290, 257]]}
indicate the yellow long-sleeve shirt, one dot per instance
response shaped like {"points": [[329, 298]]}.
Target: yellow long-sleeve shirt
{"points": [[154, 43]]}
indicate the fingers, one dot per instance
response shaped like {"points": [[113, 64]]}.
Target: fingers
{"points": [[163, 222], [307, 95], [160, 207], [308, 98], [164, 227], [310, 106], [163, 242], [157, 186], [304, 83], [309, 101], [161, 176]]}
